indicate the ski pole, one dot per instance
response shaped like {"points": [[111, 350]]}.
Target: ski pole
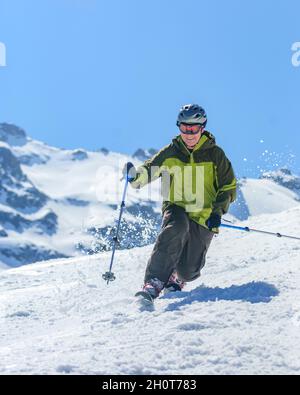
{"points": [[109, 276], [247, 229]]}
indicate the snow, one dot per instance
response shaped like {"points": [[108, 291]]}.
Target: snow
{"points": [[82, 193], [267, 197], [241, 317], [59, 316], [94, 180]]}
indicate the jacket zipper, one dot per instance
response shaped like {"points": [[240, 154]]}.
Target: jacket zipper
{"points": [[190, 154]]}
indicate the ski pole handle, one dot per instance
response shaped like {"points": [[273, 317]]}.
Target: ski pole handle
{"points": [[129, 172]]}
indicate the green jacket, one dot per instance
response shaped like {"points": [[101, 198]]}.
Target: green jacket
{"points": [[201, 181]]}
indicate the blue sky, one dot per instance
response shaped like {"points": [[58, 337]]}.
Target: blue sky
{"points": [[95, 73]]}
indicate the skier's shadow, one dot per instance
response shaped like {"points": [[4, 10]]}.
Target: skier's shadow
{"points": [[255, 292]]}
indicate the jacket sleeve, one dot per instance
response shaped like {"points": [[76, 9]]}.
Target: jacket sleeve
{"points": [[226, 184], [150, 170]]}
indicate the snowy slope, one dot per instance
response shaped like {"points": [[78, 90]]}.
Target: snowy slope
{"points": [[242, 316]]}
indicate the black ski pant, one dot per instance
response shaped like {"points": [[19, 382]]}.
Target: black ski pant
{"points": [[181, 245]]}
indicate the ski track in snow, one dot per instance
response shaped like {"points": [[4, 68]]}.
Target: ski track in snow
{"points": [[241, 317]]}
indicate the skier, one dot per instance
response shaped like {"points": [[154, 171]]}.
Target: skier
{"points": [[190, 217]]}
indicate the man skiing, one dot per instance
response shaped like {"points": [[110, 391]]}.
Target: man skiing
{"points": [[198, 187]]}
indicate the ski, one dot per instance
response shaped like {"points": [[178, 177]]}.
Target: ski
{"points": [[144, 296]]}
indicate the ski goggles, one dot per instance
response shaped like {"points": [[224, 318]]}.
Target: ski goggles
{"points": [[190, 129]]}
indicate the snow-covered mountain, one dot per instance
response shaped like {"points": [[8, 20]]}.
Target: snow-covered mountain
{"points": [[285, 178], [241, 317], [57, 203], [143, 155], [263, 196]]}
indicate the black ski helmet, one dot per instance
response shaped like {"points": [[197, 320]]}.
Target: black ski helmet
{"points": [[192, 114]]}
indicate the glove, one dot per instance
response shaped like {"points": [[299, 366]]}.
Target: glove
{"points": [[214, 221], [129, 172]]}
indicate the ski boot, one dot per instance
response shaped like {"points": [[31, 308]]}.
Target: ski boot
{"points": [[151, 289], [174, 284]]}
